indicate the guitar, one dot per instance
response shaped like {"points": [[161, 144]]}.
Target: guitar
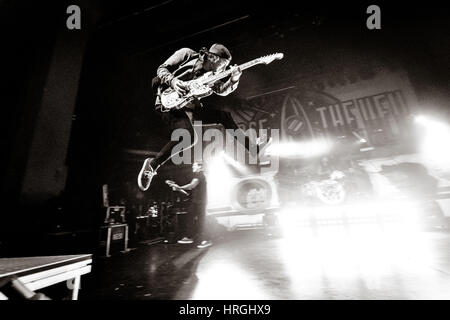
{"points": [[202, 86], [175, 187]]}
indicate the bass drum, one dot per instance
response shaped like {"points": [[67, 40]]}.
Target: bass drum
{"points": [[252, 195]]}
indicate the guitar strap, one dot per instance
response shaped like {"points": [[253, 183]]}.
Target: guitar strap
{"points": [[196, 73]]}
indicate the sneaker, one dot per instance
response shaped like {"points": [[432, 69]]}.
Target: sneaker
{"points": [[204, 244], [185, 240], [146, 175]]}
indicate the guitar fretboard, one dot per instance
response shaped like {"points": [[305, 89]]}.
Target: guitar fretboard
{"points": [[226, 73]]}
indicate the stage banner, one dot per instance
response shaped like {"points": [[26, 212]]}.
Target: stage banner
{"points": [[376, 109]]}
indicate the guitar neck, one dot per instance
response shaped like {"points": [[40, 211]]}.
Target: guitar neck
{"points": [[226, 73], [179, 190]]}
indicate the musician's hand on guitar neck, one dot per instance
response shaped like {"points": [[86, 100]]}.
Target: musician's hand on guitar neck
{"points": [[179, 86], [173, 185], [235, 73]]}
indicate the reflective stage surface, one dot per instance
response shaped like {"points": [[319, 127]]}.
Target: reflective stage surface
{"points": [[329, 262]]}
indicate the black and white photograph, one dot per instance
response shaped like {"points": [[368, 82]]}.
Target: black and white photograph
{"points": [[224, 155]]}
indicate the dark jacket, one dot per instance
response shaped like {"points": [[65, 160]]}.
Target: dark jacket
{"points": [[185, 64]]}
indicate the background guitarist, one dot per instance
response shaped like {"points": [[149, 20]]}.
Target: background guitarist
{"points": [[184, 65], [195, 220]]}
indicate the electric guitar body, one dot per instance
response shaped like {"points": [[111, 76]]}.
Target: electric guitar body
{"points": [[170, 99], [202, 86]]}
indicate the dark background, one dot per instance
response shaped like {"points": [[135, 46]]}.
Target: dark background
{"points": [[77, 107]]}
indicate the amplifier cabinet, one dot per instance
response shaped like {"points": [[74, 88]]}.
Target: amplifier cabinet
{"points": [[114, 238]]}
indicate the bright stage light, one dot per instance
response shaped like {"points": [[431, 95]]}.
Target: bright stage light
{"points": [[299, 149], [376, 236], [400, 217], [235, 164], [431, 124], [360, 139], [420, 119], [224, 280], [434, 139], [219, 179]]}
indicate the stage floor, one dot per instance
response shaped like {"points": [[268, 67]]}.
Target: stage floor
{"points": [[333, 263]]}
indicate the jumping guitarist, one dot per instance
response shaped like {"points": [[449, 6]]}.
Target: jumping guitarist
{"points": [[181, 74]]}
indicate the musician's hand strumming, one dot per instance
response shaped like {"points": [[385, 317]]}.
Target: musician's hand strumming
{"points": [[179, 86]]}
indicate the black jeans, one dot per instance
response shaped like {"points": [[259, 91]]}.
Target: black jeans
{"points": [[178, 119], [195, 226]]}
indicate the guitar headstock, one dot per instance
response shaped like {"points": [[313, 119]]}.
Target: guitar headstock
{"points": [[271, 57]]}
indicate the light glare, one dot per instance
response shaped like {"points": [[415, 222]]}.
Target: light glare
{"points": [[299, 149]]}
